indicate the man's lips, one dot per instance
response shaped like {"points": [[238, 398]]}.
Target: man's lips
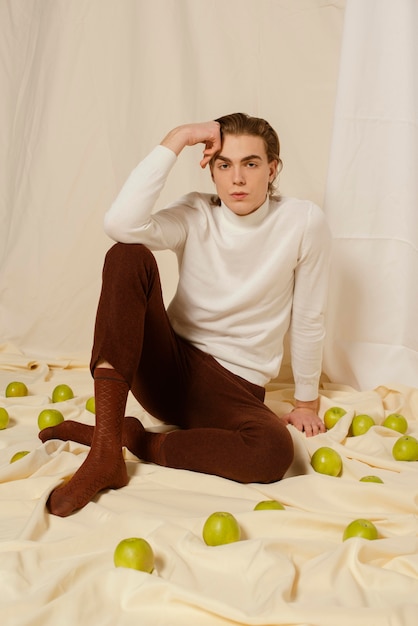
{"points": [[239, 195]]}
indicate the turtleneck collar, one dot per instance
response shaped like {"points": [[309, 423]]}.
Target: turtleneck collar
{"points": [[246, 221]]}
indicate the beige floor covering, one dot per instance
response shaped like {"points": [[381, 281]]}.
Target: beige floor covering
{"points": [[291, 566]]}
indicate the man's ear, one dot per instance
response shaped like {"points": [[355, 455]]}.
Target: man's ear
{"points": [[273, 167]]}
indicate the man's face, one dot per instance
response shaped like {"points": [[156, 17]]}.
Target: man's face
{"points": [[241, 173]]}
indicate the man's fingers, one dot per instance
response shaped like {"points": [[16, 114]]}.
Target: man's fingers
{"points": [[209, 151]]}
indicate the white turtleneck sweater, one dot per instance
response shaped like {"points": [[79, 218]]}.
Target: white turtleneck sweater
{"points": [[243, 280]]}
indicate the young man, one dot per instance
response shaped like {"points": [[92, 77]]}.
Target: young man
{"points": [[251, 266]]}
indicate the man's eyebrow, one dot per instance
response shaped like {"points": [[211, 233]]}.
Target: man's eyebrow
{"points": [[250, 157]]}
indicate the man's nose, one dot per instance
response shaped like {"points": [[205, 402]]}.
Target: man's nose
{"points": [[238, 176]]}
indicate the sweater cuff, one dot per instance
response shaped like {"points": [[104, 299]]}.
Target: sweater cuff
{"points": [[161, 157], [306, 391]]}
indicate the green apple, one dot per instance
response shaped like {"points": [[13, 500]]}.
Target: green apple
{"points": [[265, 505], [49, 417], [4, 418], [134, 553], [363, 528], [405, 448], [91, 405], [332, 416], [221, 528], [61, 393], [371, 479], [16, 389], [397, 422], [18, 455], [326, 460], [361, 424]]}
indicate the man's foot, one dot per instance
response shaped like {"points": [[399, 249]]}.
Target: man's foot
{"points": [[104, 467], [68, 430], [96, 474], [132, 436]]}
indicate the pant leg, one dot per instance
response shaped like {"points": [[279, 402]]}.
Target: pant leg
{"points": [[133, 333], [228, 430]]}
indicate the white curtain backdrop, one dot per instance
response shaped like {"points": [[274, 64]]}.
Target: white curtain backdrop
{"points": [[372, 198], [90, 86]]}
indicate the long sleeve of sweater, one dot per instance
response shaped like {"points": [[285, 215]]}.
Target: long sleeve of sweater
{"points": [[129, 220], [307, 327]]}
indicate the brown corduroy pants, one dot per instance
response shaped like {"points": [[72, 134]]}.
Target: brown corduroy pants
{"points": [[224, 427]]}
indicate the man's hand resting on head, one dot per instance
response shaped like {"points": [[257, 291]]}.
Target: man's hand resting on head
{"points": [[208, 133]]}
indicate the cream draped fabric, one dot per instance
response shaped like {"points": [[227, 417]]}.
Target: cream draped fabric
{"points": [[291, 567]]}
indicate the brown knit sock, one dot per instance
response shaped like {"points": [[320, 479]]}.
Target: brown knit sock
{"points": [[104, 467], [68, 431], [145, 445]]}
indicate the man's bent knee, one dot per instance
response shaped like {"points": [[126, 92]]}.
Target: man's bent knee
{"points": [[124, 251], [271, 455], [134, 260]]}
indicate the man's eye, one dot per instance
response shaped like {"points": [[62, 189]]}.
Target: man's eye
{"points": [[223, 166], [251, 164]]}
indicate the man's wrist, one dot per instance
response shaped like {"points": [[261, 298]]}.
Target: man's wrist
{"points": [[176, 139], [312, 405]]}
